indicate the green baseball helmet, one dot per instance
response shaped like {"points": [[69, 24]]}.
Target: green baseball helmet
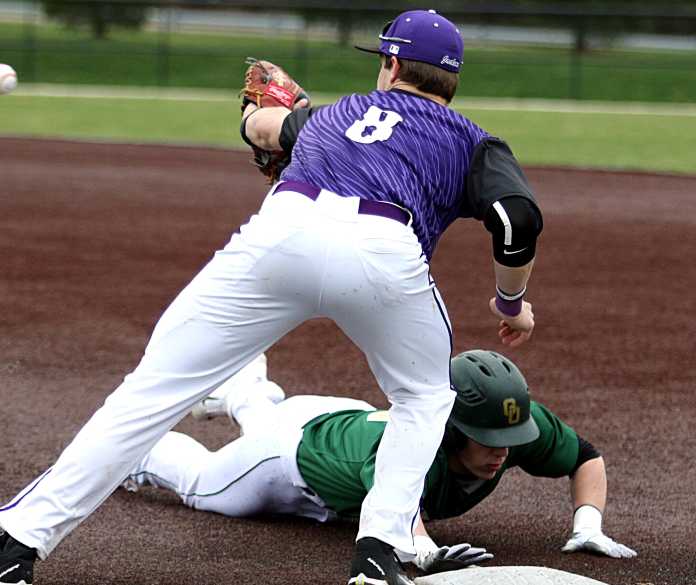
{"points": [[492, 405]]}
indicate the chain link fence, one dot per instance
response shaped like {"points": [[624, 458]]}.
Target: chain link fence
{"points": [[511, 50]]}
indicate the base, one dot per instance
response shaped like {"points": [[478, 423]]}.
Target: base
{"points": [[507, 576]]}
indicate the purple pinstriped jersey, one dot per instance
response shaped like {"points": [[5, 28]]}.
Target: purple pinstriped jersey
{"points": [[391, 146]]}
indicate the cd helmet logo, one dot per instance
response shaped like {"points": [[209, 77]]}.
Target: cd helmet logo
{"points": [[511, 411]]}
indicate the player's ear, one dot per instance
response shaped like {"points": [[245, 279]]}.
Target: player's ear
{"points": [[395, 69]]}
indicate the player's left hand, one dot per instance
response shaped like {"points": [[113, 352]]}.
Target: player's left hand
{"points": [[598, 542], [268, 85], [514, 331], [450, 558]]}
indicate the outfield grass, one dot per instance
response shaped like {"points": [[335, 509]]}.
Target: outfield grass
{"points": [[51, 54], [597, 140], [600, 140], [147, 120]]}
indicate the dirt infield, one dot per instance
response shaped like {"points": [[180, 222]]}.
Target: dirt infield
{"points": [[96, 239]]}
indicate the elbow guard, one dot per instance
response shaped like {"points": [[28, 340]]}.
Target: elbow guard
{"points": [[515, 223]]}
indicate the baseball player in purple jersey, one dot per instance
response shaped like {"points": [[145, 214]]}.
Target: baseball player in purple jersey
{"points": [[346, 234]]}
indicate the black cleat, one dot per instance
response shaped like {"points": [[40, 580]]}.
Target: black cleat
{"points": [[16, 561], [374, 563]]}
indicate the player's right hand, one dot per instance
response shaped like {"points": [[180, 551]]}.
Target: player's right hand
{"points": [[514, 331], [450, 558], [598, 543]]}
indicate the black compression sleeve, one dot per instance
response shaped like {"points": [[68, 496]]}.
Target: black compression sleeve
{"points": [[242, 129], [292, 124], [586, 452], [291, 127], [494, 173], [515, 222]]}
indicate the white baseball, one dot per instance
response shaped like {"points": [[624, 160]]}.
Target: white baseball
{"points": [[8, 79]]}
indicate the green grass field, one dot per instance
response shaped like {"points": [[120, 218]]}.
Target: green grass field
{"points": [[601, 140], [51, 54], [613, 141]]}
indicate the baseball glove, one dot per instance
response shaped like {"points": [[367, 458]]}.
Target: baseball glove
{"points": [[270, 163], [267, 85]]}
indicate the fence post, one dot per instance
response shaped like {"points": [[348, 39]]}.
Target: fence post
{"points": [[163, 45], [575, 81], [29, 53], [301, 53]]}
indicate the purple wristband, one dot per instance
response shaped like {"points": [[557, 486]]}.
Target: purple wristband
{"points": [[509, 308]]}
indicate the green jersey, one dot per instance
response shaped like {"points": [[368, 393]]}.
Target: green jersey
{"points": [[337, 453]]}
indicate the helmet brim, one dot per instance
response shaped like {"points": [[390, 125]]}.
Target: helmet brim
{"points": [[512, 436]]}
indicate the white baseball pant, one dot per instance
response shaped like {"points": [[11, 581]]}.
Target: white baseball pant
{"points": [[295, 260], [255, 474]]}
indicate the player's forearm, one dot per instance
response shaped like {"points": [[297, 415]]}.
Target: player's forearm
{"points": [[512, 279], [589, 492], [514, 223], [588, 487], [263, 125]]}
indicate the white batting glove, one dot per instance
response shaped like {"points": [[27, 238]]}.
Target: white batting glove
{"points": [[431, 558], [588, 536]]}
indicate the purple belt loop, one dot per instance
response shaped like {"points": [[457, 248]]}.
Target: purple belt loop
{"points": [[383, 209], [299, 187]]}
